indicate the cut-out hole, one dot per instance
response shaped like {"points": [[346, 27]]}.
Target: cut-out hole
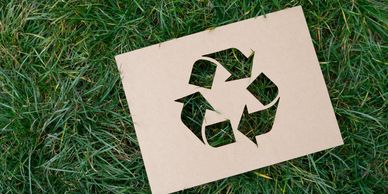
{"points": [[235, 62], [193, 112], [263, 89], [257, 123], [219, 134], [203, 73]]}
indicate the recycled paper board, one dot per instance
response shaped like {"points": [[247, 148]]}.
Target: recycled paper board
{"points": [[156, 77]]}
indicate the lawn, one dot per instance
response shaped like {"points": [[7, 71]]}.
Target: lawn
{"points": [[65, 126]]}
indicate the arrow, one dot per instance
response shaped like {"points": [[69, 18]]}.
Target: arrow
{"points": [[257, 123], [263, 89], [193, 112], [260, 122], [237, 63]]}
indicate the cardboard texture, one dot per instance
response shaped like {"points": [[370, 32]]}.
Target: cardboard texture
{"points": [[156, 77]]}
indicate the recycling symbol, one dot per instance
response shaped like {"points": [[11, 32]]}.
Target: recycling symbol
{"points": [[229, 101]]}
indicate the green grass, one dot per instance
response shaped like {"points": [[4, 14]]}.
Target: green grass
{"points": [[64, 121]]}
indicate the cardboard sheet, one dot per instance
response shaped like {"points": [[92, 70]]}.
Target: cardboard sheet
{"points": [[155, 77]]}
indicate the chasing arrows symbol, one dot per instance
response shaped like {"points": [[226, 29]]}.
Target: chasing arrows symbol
{"points": [[253, 121]]}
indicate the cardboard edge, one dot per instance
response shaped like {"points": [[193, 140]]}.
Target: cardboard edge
{"points": [[249, 170], [207, 30]]}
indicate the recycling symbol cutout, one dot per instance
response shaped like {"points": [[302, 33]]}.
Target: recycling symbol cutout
{"points": [[215, 118]]}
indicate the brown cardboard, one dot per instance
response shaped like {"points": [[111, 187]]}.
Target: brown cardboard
{"points": [[155, 76]]}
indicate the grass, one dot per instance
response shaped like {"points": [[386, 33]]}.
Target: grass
{"points": [[64, 122]]}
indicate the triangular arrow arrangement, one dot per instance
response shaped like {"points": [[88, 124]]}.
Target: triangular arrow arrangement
{"points": [[251, 124]]}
